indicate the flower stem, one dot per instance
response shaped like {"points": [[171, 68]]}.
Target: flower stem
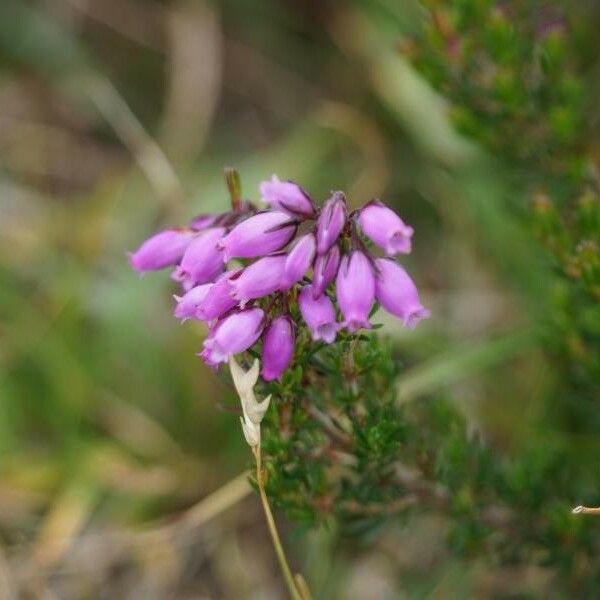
{"points": [[297, 592], [232, 178]]}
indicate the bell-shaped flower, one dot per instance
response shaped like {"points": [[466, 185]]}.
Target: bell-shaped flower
{"points": [[218, 299], [298, 261], [287, 196], [319, 314], [259, 279], [397, 293], [258, 235], [325, 270], [385, 228], [163, 249], [187, 305], [331, 222], [355, 290], [278, 348], [232, 335], [202, 261], [202, 222]]}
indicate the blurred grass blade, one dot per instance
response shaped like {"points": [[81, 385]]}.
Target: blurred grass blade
{"points": [[147, 153], [461, 363], [64, 521]]}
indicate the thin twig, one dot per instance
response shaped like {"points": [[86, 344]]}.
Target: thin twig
{"points": [[374, 510], [586, 510], [329, 426]]}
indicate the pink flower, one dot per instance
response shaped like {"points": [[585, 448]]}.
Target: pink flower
{"points": [[385, 228], [202, 222], [218, 299], [331, 222], [202, 261], [278, 348], [259, 279], [298, 261], [318, 314], [355, 290], [232, 335], [187, 305], [163, 249], [261, 234], [397, 293], [325, 269], [287, 196]]}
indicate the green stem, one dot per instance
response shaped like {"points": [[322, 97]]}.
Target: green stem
{"points": [[283, 563]]}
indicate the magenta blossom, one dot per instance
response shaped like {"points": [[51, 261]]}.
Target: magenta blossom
{"points": [[318, 314], [259, 279], [163, 249], [261, 234], [397, 293], [233, 335], [287, 196], [385, 228], [355, 290], [187, 305], [218, 299], [298, 261], [278, 348], [331, 222], [274, 265], [325, 269], [202, 261], [202, 222]]}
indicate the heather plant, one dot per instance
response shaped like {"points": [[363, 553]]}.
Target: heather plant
{"points": [[303, 282], [515, 74], [444, 460], [296, 289]]}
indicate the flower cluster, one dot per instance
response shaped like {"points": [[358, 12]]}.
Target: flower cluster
{"points": [[241, 272]]}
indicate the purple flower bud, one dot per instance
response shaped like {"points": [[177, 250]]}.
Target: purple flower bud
{"points": [[355, 290], [325, 269], [331, 222], [319, 315], [202, 222], [261, 234], [218, 300], [163, 249], [278, 348], [186, 284], [187, 305], [232, 335], [298, 261], [202, 261], [259, 279], [385, 228], [287, 196], [397, 293]]}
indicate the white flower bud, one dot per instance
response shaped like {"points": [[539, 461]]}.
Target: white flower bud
{"points": [[244, 381], [251, 432], [253, 410]]}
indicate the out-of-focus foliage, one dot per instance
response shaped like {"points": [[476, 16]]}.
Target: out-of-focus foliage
{"points": [[515, 74], [477, 121]]}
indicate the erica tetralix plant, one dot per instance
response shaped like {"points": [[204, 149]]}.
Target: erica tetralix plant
{"points": [[241, 272]]}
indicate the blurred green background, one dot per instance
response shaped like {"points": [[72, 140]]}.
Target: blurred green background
{"points": [[475, 119]]}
